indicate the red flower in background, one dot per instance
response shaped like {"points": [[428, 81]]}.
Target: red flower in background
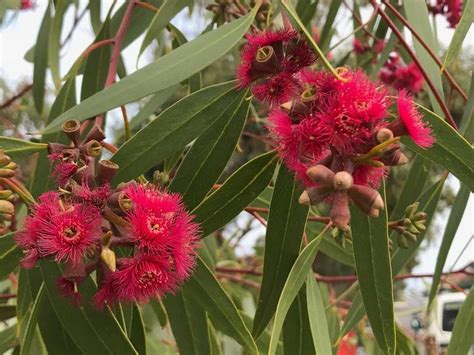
{"points": [[27, 4], [401, 76], [451, 9]]}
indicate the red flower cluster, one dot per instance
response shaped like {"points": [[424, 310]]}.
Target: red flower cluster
{"points": [[337, 137], [451, 9], [80, 224], [269, 63], [27, 4], [361, 48], [401, 76]]}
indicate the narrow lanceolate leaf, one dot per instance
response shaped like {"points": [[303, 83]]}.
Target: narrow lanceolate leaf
{"points": [[7, 311], [286, 223], [451, 150], [189, 323], [32, 322], [264, 339], [137, 333], [428, 202], [460, 34], [173, 129], [209, 155], [297, 338], [462, 337], [16, 147], [372, 259], [326, 33], [457, 211], [41, 60], [317, 317], [8, 338], [236, 193], [164, 15], [162, 73], [93, 331], [54, 43], [10, 255], [293, 284], [209, 294]]}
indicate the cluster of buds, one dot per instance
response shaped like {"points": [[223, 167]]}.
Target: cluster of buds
{"points": [[7, 208], [451, 9], [408, 227], [338, 136], [81, 224], [364, 47], [400, 76], [227, 10]]}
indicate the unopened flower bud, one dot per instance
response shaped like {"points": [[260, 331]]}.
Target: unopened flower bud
{"points": [[6, 207], [109, 258], [411, 210], [321, 174], [6, 195], [314, 195], [366, 198], [402, 241], [374, 213], [106, 170], [410, 236], [72, 128], [420, 225], [394, 157], [5, 216], [384, 134], [340, 214], [4, 159], [420, 216], [161, 177], [7, 173], [343, 181]]}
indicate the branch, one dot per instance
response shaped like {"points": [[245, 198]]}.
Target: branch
{"points": [[16, 97]]}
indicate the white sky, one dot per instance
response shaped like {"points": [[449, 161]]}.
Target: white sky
{"points": [[21, 34]]}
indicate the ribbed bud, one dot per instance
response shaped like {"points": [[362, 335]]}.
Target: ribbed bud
{"points": [[4, 159], [106, 170], [72, 128], [7, 173], [366, 198], [384, 134], [321, 174], [314, 195], [6, 207], [340, 214], [411, 210], [343, 181], [410, 236], [420, 216]]}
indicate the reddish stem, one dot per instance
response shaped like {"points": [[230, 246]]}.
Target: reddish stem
{"points": [[95, 46], [16, 97]]}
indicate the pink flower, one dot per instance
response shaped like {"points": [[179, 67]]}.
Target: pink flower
{"points": [[359, 47], [411, 123], [94, 196], [276, 90], [63, 171], [68, 288], [410, 78], [453, 12], [379, 46], [137, 279], [369, 176], [159, 224], [26, 4]]}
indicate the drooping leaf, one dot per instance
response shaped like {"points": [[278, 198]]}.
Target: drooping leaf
{"points": [[286, 223], [293, 284], [41, 60], [10, 255], [54, 42], [14, 147], [372, 260], [162, 73], [239, 190], [8, 338], [451, 150], [462, 29], [317, 317], [206, 291], [163, 16], [137, 333], [207, 158], [462, 336], [32, 321], [173, 129], [326, 33]]}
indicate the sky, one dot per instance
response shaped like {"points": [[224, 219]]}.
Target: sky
{"points": [[21, 34]]}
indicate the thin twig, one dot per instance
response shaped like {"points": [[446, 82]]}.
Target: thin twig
{"points": [[12, 99], [126, 126]]}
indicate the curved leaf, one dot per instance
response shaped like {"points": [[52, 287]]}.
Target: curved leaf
{"points": [[54, 42], [451, 150], [462, 336], [15, 147], [207, 158], [41, 60], [286, 224], [372, 260], [239, 190], [162, 73], [317, 317], [293, 284], [173, 129]]}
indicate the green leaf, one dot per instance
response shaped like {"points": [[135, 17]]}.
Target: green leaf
{"points": [[41, 60], [137, 334], [206, 291], [293, 284], [286, 224], [240, 189], [457, 212], [92, 330], [462, 336], [330, 247], [405, 344], [355, 314], [467, 121], [173, 129], [160, 312], [94, 12], [32, 321], [326, 33], [10, 255], [189, 323], [16, 147], [264, 339], [54, 43], [317, 317], [7, 311], [297, 338], [372, 259], [451, 150], [417, 14], [207, 158], [97, 64], [162, 73], [462, 29], [164, 15], [8, 338]]}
